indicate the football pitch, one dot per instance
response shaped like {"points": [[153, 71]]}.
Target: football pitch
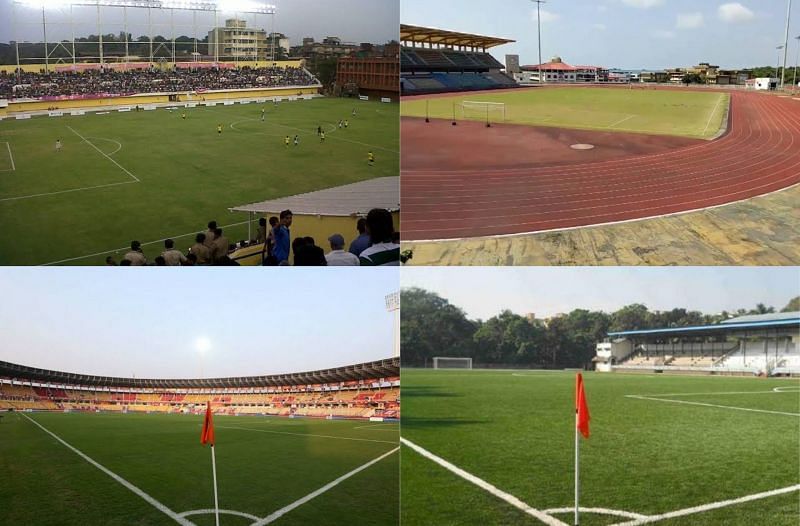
{"points": [[139, 469], [671, 450], [152, 175], [661, 112]]}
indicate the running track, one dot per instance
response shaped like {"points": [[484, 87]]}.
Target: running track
{"points": [[759, 154]]}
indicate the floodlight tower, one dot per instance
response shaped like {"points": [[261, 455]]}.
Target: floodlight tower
{"points": [[393, 305], [778, 65], [539, 31], [786, 42], [796, 61]]}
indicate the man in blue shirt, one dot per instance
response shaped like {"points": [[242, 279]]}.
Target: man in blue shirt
{"points": [[283, 238], [362, 242]]}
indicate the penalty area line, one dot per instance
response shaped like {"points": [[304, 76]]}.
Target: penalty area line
{"points": [[307, 434], [469, 477], [150, 500], [104, 154], [638, 397], [283, 511]]}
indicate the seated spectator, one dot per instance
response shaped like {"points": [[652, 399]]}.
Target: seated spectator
{"points": [[261, 233], [221, 245], [172, 257], [201, 250], [309, 256], [191, 260], [211, 235], [110, 261], [135, 255], [383, 250], [160, 261], [362, 241], [337, 256]]}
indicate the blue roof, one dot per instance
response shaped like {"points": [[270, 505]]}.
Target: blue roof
{"points": [[714, 328]]}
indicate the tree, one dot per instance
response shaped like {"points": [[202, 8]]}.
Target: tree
{"points": [[630, 317], [430, 326], [509, 338], [793, 305]]}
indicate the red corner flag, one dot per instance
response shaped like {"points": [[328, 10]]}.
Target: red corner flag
{"points": [[581, 409], [207, 434]]}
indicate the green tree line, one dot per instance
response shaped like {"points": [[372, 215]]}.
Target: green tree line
{"points": [[432, 326]]}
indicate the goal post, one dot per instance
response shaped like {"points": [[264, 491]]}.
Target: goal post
{"points": [[451, 362], [483, 111]]}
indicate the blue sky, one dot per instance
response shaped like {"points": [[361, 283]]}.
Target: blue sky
{"points": [[483, 292], [120, 323], [623, 33]]}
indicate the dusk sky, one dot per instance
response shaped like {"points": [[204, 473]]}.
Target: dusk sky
{"points": [[351, 20], [634, 34], [154, 322], [545, 291]]}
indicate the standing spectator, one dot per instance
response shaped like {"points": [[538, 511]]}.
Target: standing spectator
{"points": [[283, 236], [362, 242], [200, 250], [383, 251], [337, 256], [261, 233], [172, 257], [221, 245], [135, 256], [210, 235]]}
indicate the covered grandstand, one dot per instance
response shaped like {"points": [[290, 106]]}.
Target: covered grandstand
{"points": [[436, 61], [764, 344], [361, 391]]}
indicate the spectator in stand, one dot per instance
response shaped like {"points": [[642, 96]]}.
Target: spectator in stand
{"points": [[172, 257], [337, 256], [135, 255], [110, 261], [160, 261], [282, 235], [211, 235], [383, 251], [362, 242], [309, 255], [125, 263], [200, 250], [261, 233], [221, 245], [191, 260]]}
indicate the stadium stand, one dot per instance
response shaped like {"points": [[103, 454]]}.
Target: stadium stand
{"points": [[766, 344], [362, 391], [452, 61], [54, 85]]}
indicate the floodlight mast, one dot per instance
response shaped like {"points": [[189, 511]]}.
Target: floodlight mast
{"points": [[539, 31], [786, 42], [796, 62]]}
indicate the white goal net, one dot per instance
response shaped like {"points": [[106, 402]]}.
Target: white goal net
{"points": [[483, 111], [448, 362]]}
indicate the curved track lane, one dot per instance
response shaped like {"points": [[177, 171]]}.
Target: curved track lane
{"points": [[759, 154]]}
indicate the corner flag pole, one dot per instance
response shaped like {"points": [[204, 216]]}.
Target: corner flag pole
{"points": [[214, 472], [582, 426], [577, 470]]}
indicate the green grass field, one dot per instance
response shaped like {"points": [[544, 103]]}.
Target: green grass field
{"points": [[661, 112], [515, 430], [152, 175], [263, 465]]}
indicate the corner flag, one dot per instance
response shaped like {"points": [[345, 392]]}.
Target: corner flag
{"points": [[207, 435], [581, 409]]}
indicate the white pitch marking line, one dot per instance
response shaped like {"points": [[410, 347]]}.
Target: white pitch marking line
{"points": [[307, 434], [787, 389], [716, 393], [629, 117], [119, 145], [711, 506], [223, 512], [712, 405], [104, 154], [127, 247], [153, 502], [373, 426], [721, 96], [601, 511], [283, 511], [507, 497], [10, 156], [66, 191]]}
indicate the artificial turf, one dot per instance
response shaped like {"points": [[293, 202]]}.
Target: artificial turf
{"points": [[188, 173], [260, 469], [683, 113], [516, 431]]}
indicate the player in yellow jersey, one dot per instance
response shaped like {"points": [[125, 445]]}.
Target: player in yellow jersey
{"points": [[183, 115], [286, 141], [219, 129], [322, 136], [370, 158]]}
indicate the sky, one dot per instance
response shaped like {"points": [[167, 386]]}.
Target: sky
{"points": [[147, 324], [483, 292], [628, 34], [357, 21]]}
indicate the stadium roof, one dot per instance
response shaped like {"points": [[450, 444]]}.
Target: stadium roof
{"points": [[363, 371], [716, 328], [431, 35], [773, 316], [348, 200]]}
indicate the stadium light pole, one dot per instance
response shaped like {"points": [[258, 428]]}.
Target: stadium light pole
{"points": [[786, 42], [539, 31], [778, 65], [796, 62]]}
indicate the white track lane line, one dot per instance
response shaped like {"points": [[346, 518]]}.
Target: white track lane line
{"points": [[307, 434], [150, 500], [507, 497], [283, 511], [104, 154], [711, 405], [711, 506]]}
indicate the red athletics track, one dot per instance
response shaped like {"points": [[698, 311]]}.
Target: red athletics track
{"points": [[759, 154]]}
